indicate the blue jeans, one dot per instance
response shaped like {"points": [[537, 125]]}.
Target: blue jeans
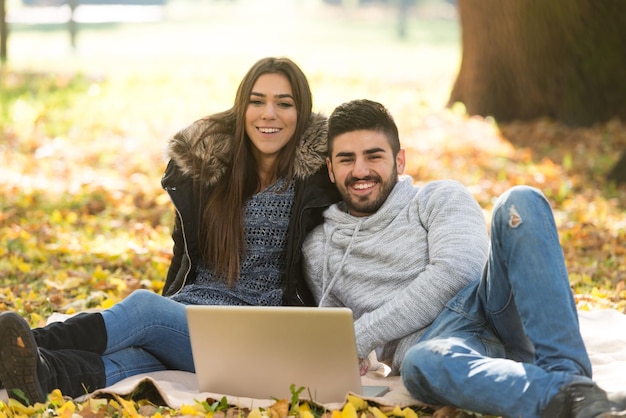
{"points": [[506, 344], [146, 332]]}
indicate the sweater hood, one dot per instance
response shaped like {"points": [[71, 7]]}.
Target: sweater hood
{"points": [[215, 152], [345, 231]]}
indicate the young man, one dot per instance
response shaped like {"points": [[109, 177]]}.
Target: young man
{"points": [[486, 327]]}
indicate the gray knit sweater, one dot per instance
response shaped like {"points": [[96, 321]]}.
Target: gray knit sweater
{"points": [[397, 268]]}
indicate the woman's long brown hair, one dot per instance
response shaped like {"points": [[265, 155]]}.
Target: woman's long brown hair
{"points": [[221, 233]]}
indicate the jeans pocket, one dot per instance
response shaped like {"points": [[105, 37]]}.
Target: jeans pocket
{"points": [[466, 303], [493, 346]]}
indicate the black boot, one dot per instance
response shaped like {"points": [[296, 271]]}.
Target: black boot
{"points": [[85, 331], [582, 400], [30, 373], [74, 372], [618, 398]]}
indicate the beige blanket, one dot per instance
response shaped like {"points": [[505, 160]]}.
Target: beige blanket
{"points": [[604, 332]]}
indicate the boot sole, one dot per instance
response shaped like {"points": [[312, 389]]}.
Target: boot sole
{"points": [[18, 359]]}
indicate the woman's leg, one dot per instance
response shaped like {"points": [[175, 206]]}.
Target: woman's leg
{"points": [[145, 332], [153, 323], [84, 331], [129, 362], [29, 373]]}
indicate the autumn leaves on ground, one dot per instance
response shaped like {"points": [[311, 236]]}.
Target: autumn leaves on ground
{"points": [[83, 220]]}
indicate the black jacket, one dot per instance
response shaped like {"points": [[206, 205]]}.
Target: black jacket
{"points": [[313, 194]]}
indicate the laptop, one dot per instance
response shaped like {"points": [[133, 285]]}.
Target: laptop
{"points": [[259, 352]]}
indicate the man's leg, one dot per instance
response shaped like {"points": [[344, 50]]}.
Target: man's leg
{"points": [[460, 362], [526, 291], [525, 299], [455, 371]]}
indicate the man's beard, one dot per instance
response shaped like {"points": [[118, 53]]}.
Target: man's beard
{"points": [[363, 204]]}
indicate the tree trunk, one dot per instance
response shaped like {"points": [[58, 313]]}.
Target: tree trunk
{"points": [[72, 26], [618, 172], [404, 7], [562, 59], [4, 31]]}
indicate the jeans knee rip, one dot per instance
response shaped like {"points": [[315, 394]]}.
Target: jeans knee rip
{"points": [[515, 219]]}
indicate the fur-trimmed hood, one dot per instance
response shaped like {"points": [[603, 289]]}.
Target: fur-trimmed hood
{"points": [[216, 151]]}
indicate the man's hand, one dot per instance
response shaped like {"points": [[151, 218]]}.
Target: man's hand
{"points": [[363, 366]]}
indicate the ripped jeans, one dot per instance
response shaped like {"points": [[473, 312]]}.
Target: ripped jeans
{"points": [[506, 344]]}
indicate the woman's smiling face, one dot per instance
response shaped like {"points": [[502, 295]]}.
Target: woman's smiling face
{"points": [[271, 116]]}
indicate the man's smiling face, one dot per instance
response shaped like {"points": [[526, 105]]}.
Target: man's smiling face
{"points": [[363, 168]]}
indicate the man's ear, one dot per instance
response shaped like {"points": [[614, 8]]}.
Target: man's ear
{"points": [[329, 165], [400, 161]]}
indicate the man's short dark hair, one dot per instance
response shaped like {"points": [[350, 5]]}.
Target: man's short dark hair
{"points": [[363, 114]]}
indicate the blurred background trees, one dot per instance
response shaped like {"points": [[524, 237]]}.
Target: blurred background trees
{"points": [[562, 60], [82, 128]]}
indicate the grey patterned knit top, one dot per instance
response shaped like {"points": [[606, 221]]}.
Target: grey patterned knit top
{"points": [[266, 219]]}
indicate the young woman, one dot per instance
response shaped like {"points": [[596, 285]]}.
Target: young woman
{"points": [[247, 185]]}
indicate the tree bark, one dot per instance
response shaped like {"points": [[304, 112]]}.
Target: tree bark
{"points": [[4, 31], [618, 172], [561, 59]]}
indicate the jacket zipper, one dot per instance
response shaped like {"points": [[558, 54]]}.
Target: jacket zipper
{"points": [[182, 226]]}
